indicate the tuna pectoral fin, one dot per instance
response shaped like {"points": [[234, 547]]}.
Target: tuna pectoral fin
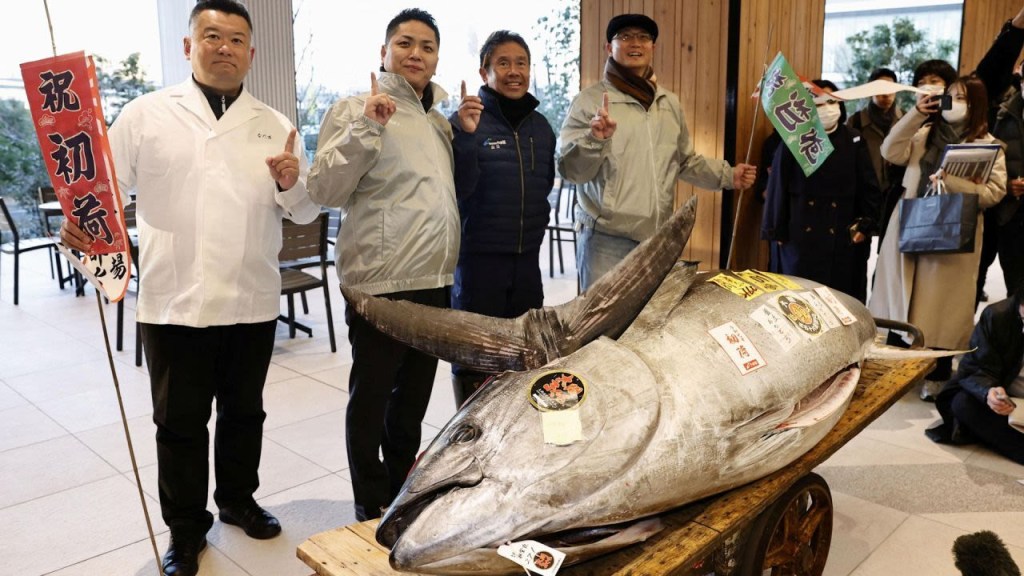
{"points": [[883, 352], [539, 336], [479, 342]]}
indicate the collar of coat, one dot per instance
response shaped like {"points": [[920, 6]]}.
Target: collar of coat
{"points": [[396, 86], [190, 96]]}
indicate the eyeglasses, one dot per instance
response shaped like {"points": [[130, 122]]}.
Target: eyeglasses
{"points": [[643, 37]]}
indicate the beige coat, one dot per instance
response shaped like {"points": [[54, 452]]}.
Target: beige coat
{"points": [[935, 292]]}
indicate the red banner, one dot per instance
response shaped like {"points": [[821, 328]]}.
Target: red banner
{"points": [[63, 95]]}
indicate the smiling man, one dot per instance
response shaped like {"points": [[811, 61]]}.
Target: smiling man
{"points": [[625, 142], [504, 170], [385, 158], [214, 171]]}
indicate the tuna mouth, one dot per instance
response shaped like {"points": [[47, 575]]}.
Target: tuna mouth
{"points": [[410, 504]]}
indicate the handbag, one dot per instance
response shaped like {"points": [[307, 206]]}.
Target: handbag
{"points": [[938, 222]]}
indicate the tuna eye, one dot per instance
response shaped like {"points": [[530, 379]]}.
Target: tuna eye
{"points": [[463, 434]]}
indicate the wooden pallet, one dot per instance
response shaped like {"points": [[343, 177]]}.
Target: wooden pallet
{"points": [[691, 533]]}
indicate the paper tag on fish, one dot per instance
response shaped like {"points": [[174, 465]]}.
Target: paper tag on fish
{"points": [[760, 280], [776, 324], [789, 284], [801, 314], [824, 311], [738, 287], [533, 556], [562, 427], [739, 348], [835, 305]]}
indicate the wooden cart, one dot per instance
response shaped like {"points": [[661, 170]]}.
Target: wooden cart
{"points": [[782, 522]]}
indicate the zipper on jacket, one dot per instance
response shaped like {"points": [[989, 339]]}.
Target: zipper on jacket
{"points": [[654, 173], [533, 157], [223, 104], [522, 189]]}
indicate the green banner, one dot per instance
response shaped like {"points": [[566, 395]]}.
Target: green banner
{"points": [[790, 107]]}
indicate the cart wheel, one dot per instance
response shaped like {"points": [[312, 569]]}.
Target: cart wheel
{"points": [[792, 537]]}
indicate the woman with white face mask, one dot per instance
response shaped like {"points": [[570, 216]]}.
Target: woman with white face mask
{"points": [[819, 226], [936, 291]]}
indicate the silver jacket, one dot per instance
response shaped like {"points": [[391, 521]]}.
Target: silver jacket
{"points": [[399, 219], [627, 183]]}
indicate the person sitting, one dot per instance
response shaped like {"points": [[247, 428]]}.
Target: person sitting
{"points": [[975, 403]]}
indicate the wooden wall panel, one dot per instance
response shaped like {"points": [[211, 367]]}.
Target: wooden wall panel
{"points": [[982, 21], [797, 28], [691, 59]]}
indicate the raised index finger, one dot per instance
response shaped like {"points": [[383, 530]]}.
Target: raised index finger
{"points": [[463, 89], [289, 144], [374, 89], [604, 103]]}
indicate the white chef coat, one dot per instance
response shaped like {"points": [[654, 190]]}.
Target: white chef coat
{"points": [[209, 212]]}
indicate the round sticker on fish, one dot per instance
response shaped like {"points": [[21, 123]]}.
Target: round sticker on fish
{"points": [[800, 314], [557, 391]]}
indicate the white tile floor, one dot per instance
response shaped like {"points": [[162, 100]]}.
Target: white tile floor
{"points": [[69, 504]]}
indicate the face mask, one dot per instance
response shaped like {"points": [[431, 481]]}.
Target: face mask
{"points": [[829, 115], [955, 114]]}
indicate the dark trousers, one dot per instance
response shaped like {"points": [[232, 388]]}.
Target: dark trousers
{"points": [[188, 369], [389, 388], [498, 285], [989, 249], [989, 427]]}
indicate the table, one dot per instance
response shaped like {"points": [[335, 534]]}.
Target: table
{"points": [[710, 531]]}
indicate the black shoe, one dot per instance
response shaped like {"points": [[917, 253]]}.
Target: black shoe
{"points": [[182, 557], [257, 522], [930, 389]]}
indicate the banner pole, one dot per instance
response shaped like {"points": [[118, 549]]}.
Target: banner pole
{"points": [[750, 146], [74, 261]]}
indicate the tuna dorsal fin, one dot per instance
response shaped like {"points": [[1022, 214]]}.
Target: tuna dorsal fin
{"points": [[539, 336]]}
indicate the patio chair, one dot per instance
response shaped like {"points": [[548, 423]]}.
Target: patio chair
{"points": [[301, 242], [17, 245]]}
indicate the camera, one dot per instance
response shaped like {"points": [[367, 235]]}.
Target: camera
{"points": [[945, 101]]}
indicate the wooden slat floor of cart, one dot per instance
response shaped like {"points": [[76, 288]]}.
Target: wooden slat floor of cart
{"points": [[691, 533]]}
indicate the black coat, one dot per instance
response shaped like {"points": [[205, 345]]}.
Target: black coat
{"points": [[814, 216], [996, 360], [503, 175]]}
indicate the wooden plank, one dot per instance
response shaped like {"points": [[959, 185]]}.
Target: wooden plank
{"points": [[691, 533]]}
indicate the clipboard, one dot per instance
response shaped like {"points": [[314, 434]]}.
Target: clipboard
{"points": [[969, 161]]}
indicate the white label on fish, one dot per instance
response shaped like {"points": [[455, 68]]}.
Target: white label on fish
{"points": [[776, 324], [534, 556], [835, 305], [739, 348], [824, 311], [561, 427]]}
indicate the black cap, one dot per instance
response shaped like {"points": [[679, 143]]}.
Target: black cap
{"points": [[631, 21]]}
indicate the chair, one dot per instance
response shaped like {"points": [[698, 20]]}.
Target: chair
{"points": [[559, 232], [133, 249], [17, 245], [301, 242]]}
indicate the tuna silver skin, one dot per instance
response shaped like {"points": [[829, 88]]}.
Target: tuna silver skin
{"points": [[667, 418]]}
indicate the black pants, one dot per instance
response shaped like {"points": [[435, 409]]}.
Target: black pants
{"points": [[493, 284], [188, 368], [991, 428], [389, 388]]}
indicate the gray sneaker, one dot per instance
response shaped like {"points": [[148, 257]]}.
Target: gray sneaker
{"points": [[930, 389]]}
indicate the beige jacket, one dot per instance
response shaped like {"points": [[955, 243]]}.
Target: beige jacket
{"points": [[935, 292]]}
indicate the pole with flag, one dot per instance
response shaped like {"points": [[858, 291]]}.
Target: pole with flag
{"points": [[790, 108], [63, 97]]}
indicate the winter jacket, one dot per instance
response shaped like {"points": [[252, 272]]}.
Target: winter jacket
{"points": [[628, 182], [932, 291], [399, 226], [814, 216], [503, 175]]}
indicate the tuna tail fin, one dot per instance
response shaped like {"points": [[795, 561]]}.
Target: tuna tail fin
{"points": [[532, 340], [883, 352]]}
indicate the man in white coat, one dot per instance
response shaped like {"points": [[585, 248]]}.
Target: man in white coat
{"points": [[214, 171]]}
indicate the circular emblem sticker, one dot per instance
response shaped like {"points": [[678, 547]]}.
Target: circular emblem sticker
{"points": [[800, 314], [557, 391]]}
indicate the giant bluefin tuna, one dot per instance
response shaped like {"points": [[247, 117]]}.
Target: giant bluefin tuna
{"points": [[720, 379]]}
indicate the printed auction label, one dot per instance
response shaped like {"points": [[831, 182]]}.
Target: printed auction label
{"points": [[739, 348], [738, 287], [776, 324], [830, 299], [801, 314], [761, 281]]}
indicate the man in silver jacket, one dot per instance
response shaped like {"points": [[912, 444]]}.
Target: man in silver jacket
{"points": [[385, 158], [625, 142]]}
